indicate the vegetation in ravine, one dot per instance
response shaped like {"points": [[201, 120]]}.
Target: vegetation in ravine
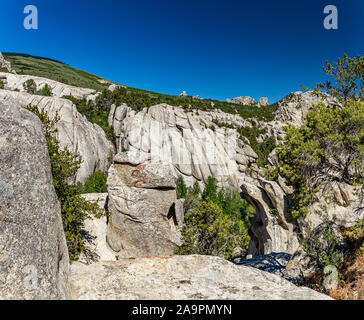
{"points": [[216, 221], [95, 183], [2, 84], [64, 164]]}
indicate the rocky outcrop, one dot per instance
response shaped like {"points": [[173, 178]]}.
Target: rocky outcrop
{"points": [[245, 101], [294, 107], [141, 206], [181, 278], [15, 82], [74, 131], [34, 261], [6, 64], [270, 231], [337, 199], [113, 87], [262, 102]]}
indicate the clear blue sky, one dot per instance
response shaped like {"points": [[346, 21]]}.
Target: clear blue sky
{"points": [[216, 49]]}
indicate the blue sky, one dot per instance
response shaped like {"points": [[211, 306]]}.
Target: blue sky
{"points": [[215, 49]]}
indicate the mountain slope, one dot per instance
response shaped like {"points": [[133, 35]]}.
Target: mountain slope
{"points": [[59, 71]]}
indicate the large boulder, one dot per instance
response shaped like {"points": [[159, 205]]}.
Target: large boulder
{"points": [[181, 278], [74, 131], [34, 262], [141, 205]]}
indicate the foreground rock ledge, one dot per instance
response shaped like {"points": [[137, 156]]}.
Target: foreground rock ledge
{"points": [[181, 277]]}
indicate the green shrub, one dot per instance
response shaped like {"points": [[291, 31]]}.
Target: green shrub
{"points": [[215, 223], [74, 208], [46, 91], [210, 190], [192, 197], [181, 188], [2, 84], [95, 183], [207, 231], [327, 148], [30, 86], [348, 76]]}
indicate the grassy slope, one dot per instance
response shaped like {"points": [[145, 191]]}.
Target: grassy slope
{"points": [[53, 69]]}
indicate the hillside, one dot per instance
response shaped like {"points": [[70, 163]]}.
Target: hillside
{"points": [[138, 98]]}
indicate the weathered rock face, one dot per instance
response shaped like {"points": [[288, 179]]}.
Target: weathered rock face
{"points": [[74, 131], [170, 135], [15, 82], [340, 200], [181, 277], [5, 64], [270, 231], [294, 107], [34, 261], [141, 206], [94, 231]]}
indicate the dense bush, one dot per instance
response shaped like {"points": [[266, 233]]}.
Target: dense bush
{"points": [[74, 208], [46, 91], [181, 188], [95, 183], [215, 223], [30, 86]]}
